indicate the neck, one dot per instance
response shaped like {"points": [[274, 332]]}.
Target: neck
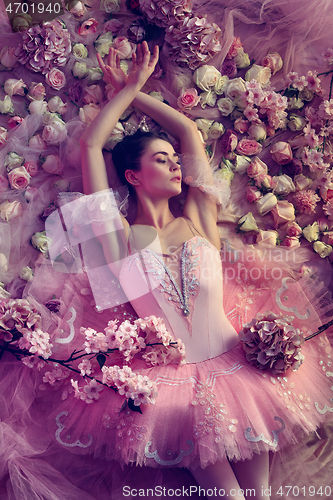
{"points": [[155, 213]]}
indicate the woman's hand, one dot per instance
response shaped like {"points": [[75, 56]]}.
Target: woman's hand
{"points": [[143, 65], [113, 73]]}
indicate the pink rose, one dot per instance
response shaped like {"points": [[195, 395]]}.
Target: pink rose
{"points": [[89, 26], [273, 61], [293, 229], [283, 212], [324, 224], [228, 142], [248, 147], [10, 210], [291, 242], [328, 238], [235, 47], [281, 152], [31, 167], [37, 142], [52, 165], [3, 137], [263, 180], [8, 57], [252, 194], [36, 92], [30, 193], [188, 99], [13, 86], [37, 107], [241, 125], [113, 25], [256, 167], [89, 112], [3, 184], [14, 121], [93, 95], [18, 178], [54, 132], [56, 79], [124, 47]]}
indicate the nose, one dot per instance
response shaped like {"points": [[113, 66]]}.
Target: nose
{"points": [[174, 166]]}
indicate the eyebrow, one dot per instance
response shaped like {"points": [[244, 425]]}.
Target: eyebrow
{"points": [[164, 153]]}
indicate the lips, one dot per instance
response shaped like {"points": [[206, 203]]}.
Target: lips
{"points": [[177, 178]]}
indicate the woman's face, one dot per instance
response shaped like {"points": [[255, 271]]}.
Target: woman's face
{"points": [[160, 174]]}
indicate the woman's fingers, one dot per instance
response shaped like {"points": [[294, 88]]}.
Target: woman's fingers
{"points": [[101, 62], [154, 59]]}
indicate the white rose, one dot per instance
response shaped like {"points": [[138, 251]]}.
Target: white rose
{"points": [[26, 273], [295, 103], [13, 86], [235, 88], [242, 60], [209, 98], [301, 182], [103, 43], [80, 70], [6, 106], [247, 223], [257, 131], [226, 106], [261, 74], [3, 293], [322, 249], [224, 173], [221, 84], [13, 160], [10, 210], [124, 66], [95, 74], [56, 105], [156, 95], [216, 130], [206, 77], [204, 125], [241, 164], [282, 184], [80, 51], [296, 122], [266, 203], [311, 232], [110, 6], [40, 241], [37, 107]]}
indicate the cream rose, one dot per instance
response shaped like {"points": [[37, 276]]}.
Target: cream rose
{"points": [[311, 232], [306, 95], [37, 107], [10, 210], [19, 178], [267, 237], [242, 60], [215, 131], [236, 88], [156, 95], [12, 160], [6, 106], [80, 70], [206, 77], [95, 74], [13, 86], [3, 263], [26, 273], [322, 249], [259, 73], [257, 131], [56, 105], [295, 103], [52, 164], [56, 79], [62, 184], [247, 223], [296, 122], [225, 106], [41, 242], [204, 125], [109, 6], [103, 43], [77, 8], [273, 61], [221, 85], [241, 164], [266, 203], [209, 98], [282, 184], [79, 51]]}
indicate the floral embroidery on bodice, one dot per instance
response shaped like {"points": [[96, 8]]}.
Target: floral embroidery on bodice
{"points": [[191, 303]]}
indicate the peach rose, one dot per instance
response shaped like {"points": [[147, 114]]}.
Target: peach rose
{"points": [[10, 210], [8, 57], [36, 92], [291, 242], [283, 212], [37, 107], [124, 47], [273, 61], [56, 79], [52, 165], [19, 178], [281, 153], [37, 142], [257, 131], [248, 147], [256, 167], [88, 113], [252, 194], [263, 180], [259, 73], [241, 125], [3, 137], [293, 229], [93, 95], [13, 86], [3, 184], [267, 237]]}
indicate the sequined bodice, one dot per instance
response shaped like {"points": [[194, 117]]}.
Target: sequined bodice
{"points": [[191, 303]]}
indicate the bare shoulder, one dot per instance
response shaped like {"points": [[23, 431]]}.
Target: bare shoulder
{"points": [[202, 212]]}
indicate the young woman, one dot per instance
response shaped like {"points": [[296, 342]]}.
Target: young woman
{"points": [[216, 406]]}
